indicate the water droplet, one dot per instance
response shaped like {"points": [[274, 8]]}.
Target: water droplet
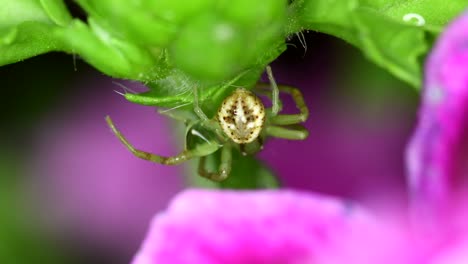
{"points": [[414, 18]]}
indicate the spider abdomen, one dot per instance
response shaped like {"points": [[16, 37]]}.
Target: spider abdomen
{"points": [[241, 116]]}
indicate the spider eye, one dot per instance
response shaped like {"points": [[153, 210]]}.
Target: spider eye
{"points": [[241, 116]]}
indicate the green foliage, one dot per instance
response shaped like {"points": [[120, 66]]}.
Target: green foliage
{"points": [[114, 56], [25, 28], [398, 48], [380, 29], [220, 34], [436, 13], [214, 41], [57, 12], [147, 40]]}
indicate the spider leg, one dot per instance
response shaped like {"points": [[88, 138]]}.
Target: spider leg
{"points": [[265, 90], [196, 106], [197, 109], [224, 167], [173, 160], [295, 133], [275, 106], [290, 119]]}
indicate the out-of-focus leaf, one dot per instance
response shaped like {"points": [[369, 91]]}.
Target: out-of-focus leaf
{"points": [[397, 48], [134, 21], [15, 12], [333, 17], [114, 56], [210, 41], [213, 41], [228, 39], [57, 11], [26, 30], [390, 33], [26, 40], [436, 13]]}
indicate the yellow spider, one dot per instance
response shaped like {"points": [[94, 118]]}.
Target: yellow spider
{"points": [[242, 122]]}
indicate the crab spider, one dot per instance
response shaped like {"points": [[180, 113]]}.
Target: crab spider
{"points": [[242, 122]]}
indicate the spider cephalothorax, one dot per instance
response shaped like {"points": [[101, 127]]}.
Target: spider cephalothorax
{"points": [[242, 121], [241, 116]]}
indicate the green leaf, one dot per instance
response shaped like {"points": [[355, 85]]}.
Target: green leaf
{"points": [[397, 48], [178, 11], [436, 13], [112, 55], [134, 21], [26, 30], [26, 40], [57, 11], [333, 17], [216, 46], [254, 13], [15, 12], [145, 40], [390, 33], [8, 35], [210, 47], [212, 42]]}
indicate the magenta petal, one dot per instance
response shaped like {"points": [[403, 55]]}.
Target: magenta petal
{"points": [[455, 254], [261, 227], [436, 156]]}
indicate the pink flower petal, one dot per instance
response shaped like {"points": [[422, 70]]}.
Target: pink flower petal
{"points": [[265, 227], [456, 254], [437, 152]]}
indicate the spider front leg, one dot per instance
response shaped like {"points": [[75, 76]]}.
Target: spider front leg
{"points": [[199, 112], [224, 167], [290, 119], [275, 128], [196, 106], [276, 107], [173, 160]]}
